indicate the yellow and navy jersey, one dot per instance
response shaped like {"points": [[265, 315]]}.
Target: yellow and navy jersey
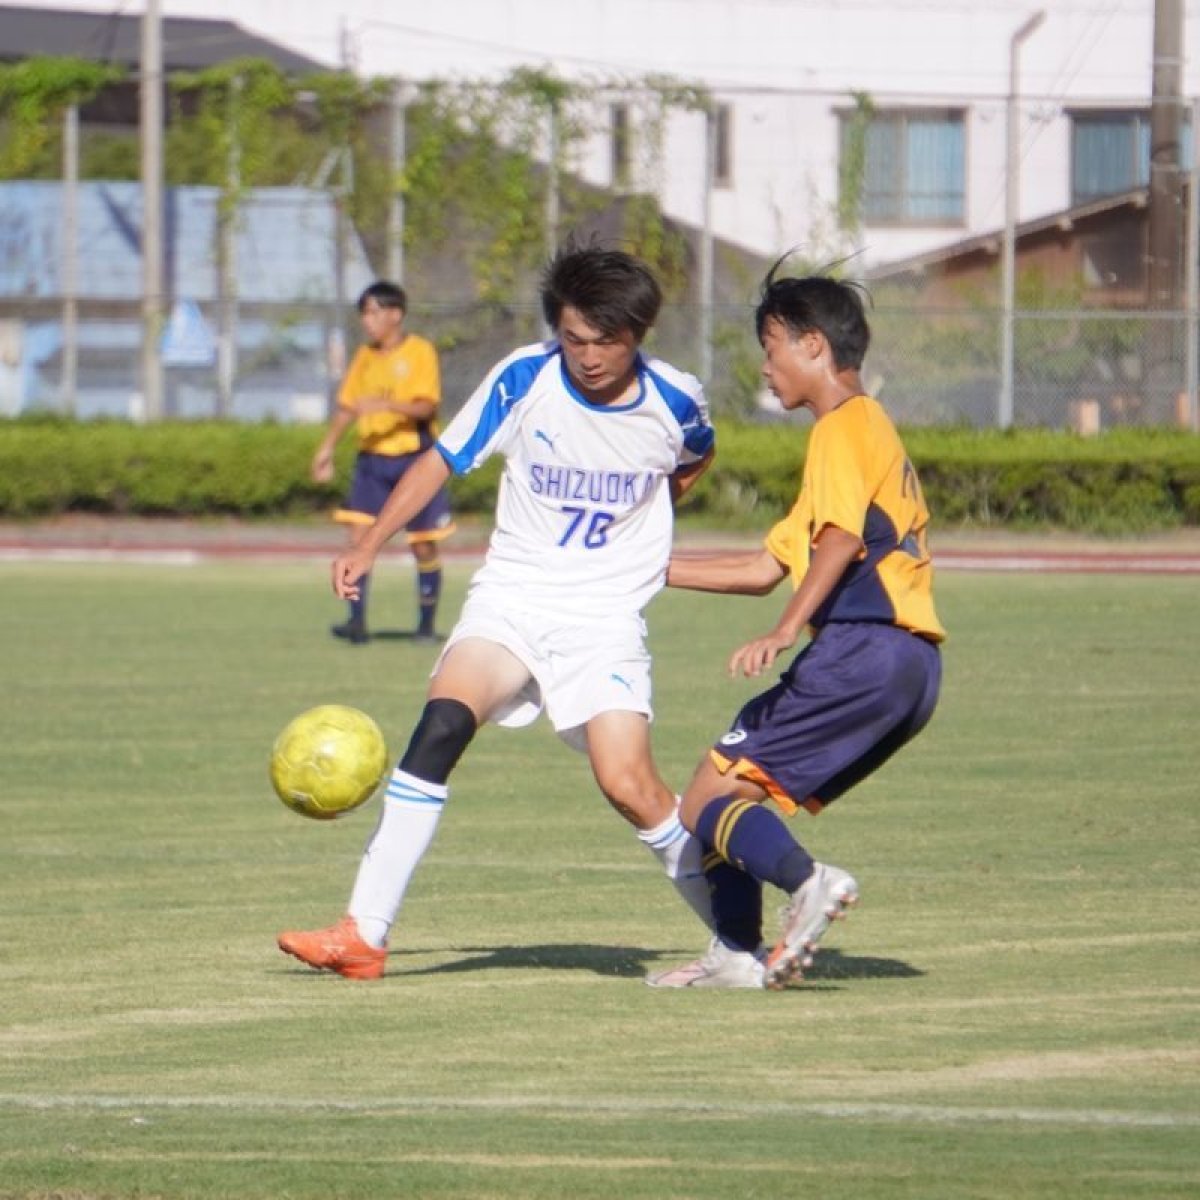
{"points": [[406, 372], [857, 476]]}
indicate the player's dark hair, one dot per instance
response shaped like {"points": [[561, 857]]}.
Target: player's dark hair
{"points": [[832, 307], [385, 294], [612, 290]]}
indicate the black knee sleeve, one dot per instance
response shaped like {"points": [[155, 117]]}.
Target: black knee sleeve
{"points": [[444, 731]]}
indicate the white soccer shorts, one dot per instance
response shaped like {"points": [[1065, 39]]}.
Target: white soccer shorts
{"points": [[579, 670]]}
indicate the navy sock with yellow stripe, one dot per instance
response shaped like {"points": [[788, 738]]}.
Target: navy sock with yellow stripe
{"points": [[750, 836], [429, 590], [736, 900], [358, 608]]}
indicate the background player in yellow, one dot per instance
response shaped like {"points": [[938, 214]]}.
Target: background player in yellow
{"points": [[854, 548], [391, 395]]}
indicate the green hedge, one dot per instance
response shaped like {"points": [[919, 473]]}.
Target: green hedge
{"points": [[1120, 481]]}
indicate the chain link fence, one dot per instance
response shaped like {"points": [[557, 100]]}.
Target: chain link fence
{"points": [[276, 345], [1082, 371]]}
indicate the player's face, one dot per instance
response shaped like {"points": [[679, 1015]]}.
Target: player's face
{"points": [[790, 363], [380, 325], [601, 365]]}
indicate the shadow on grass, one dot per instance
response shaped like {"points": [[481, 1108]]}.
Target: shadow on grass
{"points": [[407, 635], [635, 961], [620, 961], [831, 965]]}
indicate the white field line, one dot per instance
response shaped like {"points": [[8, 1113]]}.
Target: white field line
{"points": [[613, 1106], [1119, 564], [80, 554]]}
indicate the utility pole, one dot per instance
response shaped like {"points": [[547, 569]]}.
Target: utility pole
{"points": [[1012, 202], [228, 206], [398, 112], [705, 272], [1165, 239], [151, 97], [552, 185], [69, 379], [1191, 328]]}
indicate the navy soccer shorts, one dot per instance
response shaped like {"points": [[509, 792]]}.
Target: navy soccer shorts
{"points": [[375, 475], [848, 701]]}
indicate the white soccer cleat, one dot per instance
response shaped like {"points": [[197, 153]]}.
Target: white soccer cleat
{"points": [[823, 897], [720, 967]]}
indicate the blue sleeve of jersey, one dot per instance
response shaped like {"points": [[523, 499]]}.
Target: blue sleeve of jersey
{"points": [[509, 386], [699, 437]]}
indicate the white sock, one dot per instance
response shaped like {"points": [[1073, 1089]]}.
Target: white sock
{"points": [[408, 820], [679, 854]]}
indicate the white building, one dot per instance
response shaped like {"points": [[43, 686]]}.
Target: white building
{"points": [[784, 75]]}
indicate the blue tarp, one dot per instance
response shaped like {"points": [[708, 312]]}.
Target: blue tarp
{"points": [[285, 245]]}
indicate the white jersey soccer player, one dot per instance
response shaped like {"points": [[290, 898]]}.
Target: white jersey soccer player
{"points": [[584, 516], [598, 440], [583, 527]]}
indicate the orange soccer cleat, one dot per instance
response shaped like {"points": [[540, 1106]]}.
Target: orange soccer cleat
{"points": [[338, 948]]}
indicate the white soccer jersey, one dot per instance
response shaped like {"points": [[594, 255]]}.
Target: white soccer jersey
{"points": [[584, 515]]}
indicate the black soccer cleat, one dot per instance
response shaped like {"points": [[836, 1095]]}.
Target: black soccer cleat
{"points": [[354, 632]]}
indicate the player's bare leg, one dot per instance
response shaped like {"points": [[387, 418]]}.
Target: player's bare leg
{"points": [[619, 752]]}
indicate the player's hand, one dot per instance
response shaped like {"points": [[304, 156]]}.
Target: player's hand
{"points": [[368, 405], [322, 466], [755, 657], [347, 570]]}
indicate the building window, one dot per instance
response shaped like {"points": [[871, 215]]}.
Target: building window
{"points": [[913, 166], [723, 150], [1110, 152], [621, 146]]}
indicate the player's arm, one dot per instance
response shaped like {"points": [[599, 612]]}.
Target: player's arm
{"points": [[416, 410], [733, 572], [416, 488], [321, 467], [685, 478], [835, 550]]}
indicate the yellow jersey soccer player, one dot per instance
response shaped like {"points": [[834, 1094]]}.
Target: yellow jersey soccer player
{"points": [[391, 395], [854, 547]]}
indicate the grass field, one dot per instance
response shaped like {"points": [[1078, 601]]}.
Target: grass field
{"points": [[1011, 1012]]}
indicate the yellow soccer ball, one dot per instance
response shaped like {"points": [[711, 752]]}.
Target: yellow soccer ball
{"points": [[328, 760]]}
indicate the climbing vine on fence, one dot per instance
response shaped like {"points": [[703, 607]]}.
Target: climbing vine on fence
{"points": [[34, 94], [480, 157]]}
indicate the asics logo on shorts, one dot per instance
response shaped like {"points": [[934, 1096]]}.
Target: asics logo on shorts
{"points": [[733, 737]]}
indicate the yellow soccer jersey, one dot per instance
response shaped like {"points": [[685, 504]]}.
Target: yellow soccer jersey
{"points": [[857, 476], [407, 372]]}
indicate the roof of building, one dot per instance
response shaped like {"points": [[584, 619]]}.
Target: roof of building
{"points": [[285, 245], [991, 243], [189, 43]]}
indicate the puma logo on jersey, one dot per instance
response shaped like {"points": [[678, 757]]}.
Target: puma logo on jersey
{"points": [[544, 437]]}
